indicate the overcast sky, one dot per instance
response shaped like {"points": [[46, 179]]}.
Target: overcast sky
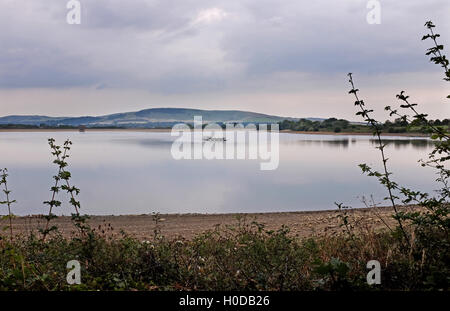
{"points": [[283, 57]]}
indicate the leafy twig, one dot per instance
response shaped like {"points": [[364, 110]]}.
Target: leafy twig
{"points": [[8, 202], [384, 177]]}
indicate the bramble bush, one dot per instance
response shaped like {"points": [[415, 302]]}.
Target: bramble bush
{"points": [[424, 233]]}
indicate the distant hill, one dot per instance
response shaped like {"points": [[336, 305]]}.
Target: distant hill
{"points": [[155, 117]]}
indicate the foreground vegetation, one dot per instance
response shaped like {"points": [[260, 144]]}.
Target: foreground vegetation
{"points": [[241, 257], [414, 255]]}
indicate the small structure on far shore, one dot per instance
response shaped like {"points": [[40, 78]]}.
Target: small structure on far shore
{"points": [[82, 128]]}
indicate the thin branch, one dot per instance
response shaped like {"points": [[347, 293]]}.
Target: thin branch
{"points": [[374, 124]]}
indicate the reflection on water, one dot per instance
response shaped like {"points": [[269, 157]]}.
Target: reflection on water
{"points": [[134, 173], [416, 143], [401, 143]]}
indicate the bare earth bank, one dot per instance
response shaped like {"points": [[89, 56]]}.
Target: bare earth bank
{"points": [[302, 224]]}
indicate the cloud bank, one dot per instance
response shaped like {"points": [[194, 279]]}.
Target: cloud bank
{"points": [[281, 57]]}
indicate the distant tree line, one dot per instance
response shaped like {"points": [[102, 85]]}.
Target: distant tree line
{"points": [[46, 126], [18, 126], [335, 125]]}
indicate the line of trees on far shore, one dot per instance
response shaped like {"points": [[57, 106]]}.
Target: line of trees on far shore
{"points": [[340, 125]]}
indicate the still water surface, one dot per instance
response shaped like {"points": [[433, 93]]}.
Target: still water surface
{"points": [[134, 173]]}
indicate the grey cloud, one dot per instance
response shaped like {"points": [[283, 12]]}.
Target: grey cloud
{"points": [[155, 45], [330, 38], [166, 15]]}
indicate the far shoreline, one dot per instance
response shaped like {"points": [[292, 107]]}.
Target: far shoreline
{"points": [[166, 130]]}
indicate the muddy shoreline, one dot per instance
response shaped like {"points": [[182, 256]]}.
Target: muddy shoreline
{"points": [[302, 224]]}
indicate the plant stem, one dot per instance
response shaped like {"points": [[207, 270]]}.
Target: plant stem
{"points": [[54, 194], [438, 51], [8, 202], [384, 159], [9, 212]]}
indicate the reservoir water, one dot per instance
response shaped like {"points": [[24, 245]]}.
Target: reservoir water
{"points": [[126, 172]]}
